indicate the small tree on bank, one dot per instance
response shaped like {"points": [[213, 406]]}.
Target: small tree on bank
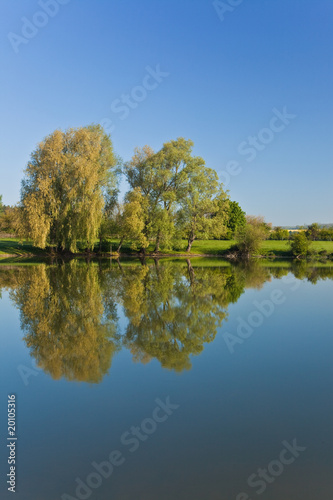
{"points": [[249, 237], [300, 245]]}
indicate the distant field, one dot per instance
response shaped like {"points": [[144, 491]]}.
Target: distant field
{"points": [[220, 247], [12, 246]]}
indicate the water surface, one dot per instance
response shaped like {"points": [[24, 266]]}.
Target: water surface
{"points": [[96, 352]]}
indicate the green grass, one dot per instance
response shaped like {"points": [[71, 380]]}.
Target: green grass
{"points": [[221, 247], [282, 248], [13, 247]]}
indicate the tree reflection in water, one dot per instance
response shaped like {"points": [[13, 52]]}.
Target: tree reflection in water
{"points": [[69, 317]]}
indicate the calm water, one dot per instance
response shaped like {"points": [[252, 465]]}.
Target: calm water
{"points": [[197, 380]]}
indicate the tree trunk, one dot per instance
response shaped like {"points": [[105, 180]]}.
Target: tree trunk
{"points": [[120, 244], [190, 242], [158, 240]]}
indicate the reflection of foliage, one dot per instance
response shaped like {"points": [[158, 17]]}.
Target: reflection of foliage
{"points": [[250, 274], [173, 311], [69, 312], [302, 270], [63, 316]]}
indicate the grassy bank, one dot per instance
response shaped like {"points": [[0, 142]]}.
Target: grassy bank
{"points": [[11, 247]]}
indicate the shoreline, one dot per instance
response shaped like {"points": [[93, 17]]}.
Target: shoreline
{"points": [[154, 256]]}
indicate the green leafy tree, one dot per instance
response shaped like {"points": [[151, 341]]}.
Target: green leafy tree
{"points": [[9, 219], [66, 184], [236, 218], [279, 234], [313, 232], [300, 245], [163, 178], [204, 209], [130, 220]]}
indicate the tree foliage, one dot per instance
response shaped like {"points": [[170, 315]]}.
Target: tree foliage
{"points": [[236, 218], [300, 244], [183, 195], [67, 183], [204, 209], [130, 220], [279, 234], [249, 237], [9, 219]]}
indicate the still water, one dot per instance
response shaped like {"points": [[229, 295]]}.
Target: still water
{"points": [[168, 380]]}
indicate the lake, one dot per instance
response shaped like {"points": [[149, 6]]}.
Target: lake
{"points": [[168, 379]]}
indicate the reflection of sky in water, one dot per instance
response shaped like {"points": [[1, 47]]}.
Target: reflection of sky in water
{"points": [[235, 410]]}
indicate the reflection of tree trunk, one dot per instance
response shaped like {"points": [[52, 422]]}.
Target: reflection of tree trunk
{"points": [[190, 271], [120, 244], [157, 267], [158, 241], [119, 265], [190, 242]]}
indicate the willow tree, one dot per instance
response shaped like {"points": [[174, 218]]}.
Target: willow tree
{"points": [[67, 183], [130, 220]]}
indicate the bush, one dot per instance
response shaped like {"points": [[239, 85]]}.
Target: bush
{"points": [[250, 236], [300, 245]]}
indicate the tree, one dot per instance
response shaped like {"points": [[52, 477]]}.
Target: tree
{"points": [[130, 220], [204, 209], [279, 234], [313, 232], [1, 205], [236, 218], [300, 245], [66, 185], [8, 219], [163, 178], [250, 236]]}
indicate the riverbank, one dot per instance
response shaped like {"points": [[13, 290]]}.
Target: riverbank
{"points": [[13, 248]]}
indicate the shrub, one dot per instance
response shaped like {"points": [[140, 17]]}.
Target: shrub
{"points": [[300, 245]]}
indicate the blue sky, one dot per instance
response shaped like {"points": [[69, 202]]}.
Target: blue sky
{"points": [[223, 77]]}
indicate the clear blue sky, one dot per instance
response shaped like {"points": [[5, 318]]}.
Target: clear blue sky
{"points": [[225, 77]]}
